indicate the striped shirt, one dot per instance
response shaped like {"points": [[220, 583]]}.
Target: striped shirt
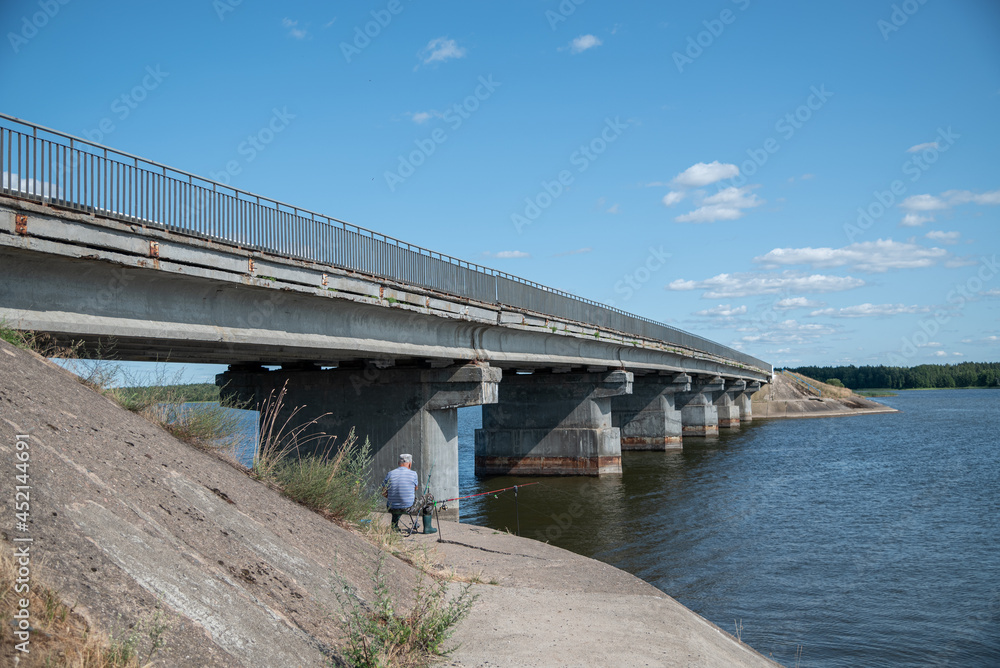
{"points": [[402, 483]]}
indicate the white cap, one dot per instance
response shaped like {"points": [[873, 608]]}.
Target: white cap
{"points": [[406, 459]]}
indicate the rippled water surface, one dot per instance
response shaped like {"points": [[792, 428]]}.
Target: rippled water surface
{"points": [[865, 541]]}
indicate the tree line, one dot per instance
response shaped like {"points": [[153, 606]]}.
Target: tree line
{"points": [[964, 374]]}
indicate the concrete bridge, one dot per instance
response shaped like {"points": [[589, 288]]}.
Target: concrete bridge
{"points": [[365, 331]]}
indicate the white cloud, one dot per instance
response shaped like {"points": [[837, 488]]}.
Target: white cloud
{"points": [[789, 332], [868, 256], [870, 310], [727, 204], [584, 42], [723, 311], [923, 203], [578, 251], [943, 237], [922, 147], [703, 174], [297, 33], [966, 196], [796, 302], [423, 116], [672, 197], [730, 286], [915, 220], [613, 209], [995, 292], [441, 49], [948, 199]]}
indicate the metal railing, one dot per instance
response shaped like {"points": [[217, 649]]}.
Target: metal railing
{"points": [[49, 166]]}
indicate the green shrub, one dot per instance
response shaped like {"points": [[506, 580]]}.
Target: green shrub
{"points": [[834, 381], [334, 485], [210, 426], [378, 636]]}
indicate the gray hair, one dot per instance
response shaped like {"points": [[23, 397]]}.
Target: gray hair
{"points": [[406, 459]]}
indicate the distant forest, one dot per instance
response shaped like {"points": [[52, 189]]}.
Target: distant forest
{"points": [[965, 374]]}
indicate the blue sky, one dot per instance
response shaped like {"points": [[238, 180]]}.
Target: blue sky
{"points": [[813, 183]]}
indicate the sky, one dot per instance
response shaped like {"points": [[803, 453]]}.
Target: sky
{"points": [[811, 183]]}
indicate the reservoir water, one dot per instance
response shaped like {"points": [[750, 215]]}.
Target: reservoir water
{"points": [[853, 541]]}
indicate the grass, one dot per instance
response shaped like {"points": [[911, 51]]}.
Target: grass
{"points": [[378, 636], [307, 467], [60, 637]]}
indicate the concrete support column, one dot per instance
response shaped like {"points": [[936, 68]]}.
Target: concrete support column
{"points": [[725, 404], [743, 401], [552, 424], [648, 418], [699, 416], [401, 409]]}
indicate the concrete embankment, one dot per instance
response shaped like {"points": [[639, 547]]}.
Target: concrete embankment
{"points": [[792, 395], [124, 518]]}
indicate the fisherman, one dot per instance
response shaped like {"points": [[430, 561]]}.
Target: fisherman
{"points": [[401, 486]]}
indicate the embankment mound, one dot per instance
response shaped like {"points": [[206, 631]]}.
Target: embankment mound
{"points": [[792, 395], [126, 519]]}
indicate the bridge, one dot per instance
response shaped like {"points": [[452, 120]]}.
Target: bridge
{"points": [[99, 247]]}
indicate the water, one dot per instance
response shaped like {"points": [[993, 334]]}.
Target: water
{"points": [[865, 541]]}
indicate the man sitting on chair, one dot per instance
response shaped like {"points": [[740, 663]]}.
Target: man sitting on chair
{"points": [[402, 485]]}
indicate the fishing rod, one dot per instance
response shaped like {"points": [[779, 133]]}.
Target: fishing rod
{"points": [[472, 496], [496, 491]]}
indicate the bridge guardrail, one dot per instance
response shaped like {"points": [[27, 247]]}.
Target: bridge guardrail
{"points": [[50, 166]]}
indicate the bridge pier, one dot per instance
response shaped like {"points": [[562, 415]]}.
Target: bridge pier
{"points": [[552, 424], [743, 400], [699, 415], [725, 404], [399, 409], [648, 418]]}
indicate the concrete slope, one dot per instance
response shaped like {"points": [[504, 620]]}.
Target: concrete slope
{"points": [[123, 515], [552, 607], [792, 395], [124, 518]]}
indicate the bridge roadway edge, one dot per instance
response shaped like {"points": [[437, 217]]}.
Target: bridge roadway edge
{"points": [[106, 257]]}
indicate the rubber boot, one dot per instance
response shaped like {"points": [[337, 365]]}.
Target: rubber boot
{"points": [[428, 525]]}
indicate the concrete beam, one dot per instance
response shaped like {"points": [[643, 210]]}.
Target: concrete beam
{"points": [[648, 418], [164, 295], [399, 409], [743, 400], [552, 424], [726, 407], [699, 416]]}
